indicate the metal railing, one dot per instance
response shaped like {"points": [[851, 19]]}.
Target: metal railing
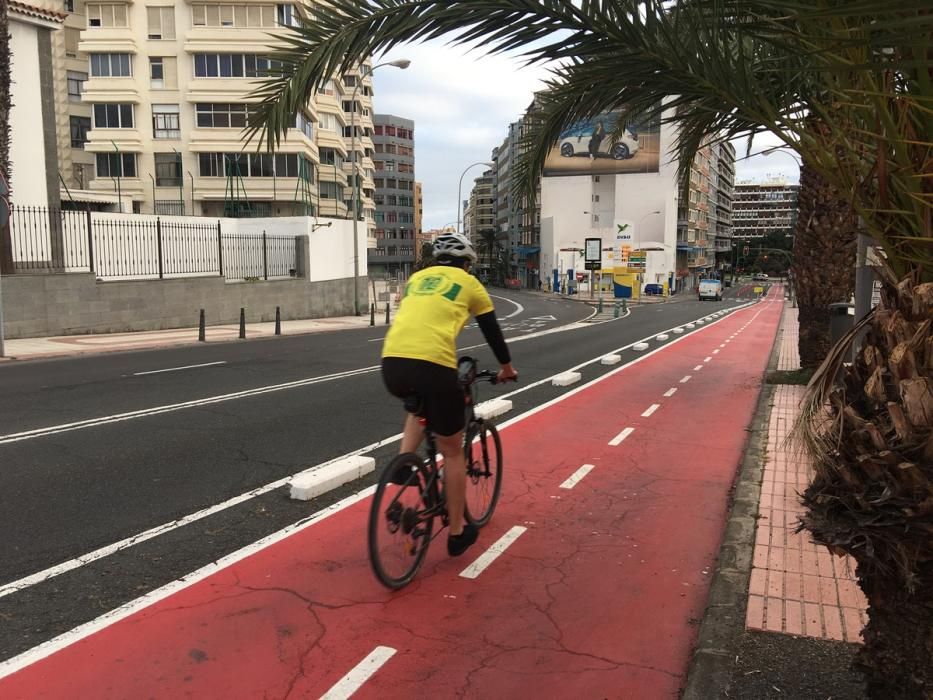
{"points": [[128, 247]]}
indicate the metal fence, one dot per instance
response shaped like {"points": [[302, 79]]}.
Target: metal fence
{"points": [[144, 248]]}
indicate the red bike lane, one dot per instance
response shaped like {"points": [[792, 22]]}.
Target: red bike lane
{"points": [[597, 595]]}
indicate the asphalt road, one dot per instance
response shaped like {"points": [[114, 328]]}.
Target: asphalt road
{"points": [[94, 453]]}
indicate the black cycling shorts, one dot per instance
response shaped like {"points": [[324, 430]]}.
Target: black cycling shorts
{"points": [[438, 387]]}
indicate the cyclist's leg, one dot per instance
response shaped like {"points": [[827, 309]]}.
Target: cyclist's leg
{"points": [[454, 478], [412, 434]]}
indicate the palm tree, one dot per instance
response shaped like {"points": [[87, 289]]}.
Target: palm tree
{"points": [[6, 243], [718, 69]]}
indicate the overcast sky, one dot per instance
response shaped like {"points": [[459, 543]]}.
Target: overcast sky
{"points": [[462, 104]]}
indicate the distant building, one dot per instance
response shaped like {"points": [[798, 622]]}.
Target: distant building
{"points": [[420, 238], [480, 223], [765, 208], [394, 254]]}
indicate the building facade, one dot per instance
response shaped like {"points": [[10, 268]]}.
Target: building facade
{"points": [[765, 208], [420, 237], [167, 89], [480, 226], [395, 251]]}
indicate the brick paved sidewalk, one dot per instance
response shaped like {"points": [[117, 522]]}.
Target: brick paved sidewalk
{"points": [[796, 586]]}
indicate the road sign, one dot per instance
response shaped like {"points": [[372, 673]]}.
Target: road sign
{"points": [[759, 290], [593, 253]]}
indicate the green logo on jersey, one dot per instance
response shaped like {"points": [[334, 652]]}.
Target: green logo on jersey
{"points": [[436, 284]]}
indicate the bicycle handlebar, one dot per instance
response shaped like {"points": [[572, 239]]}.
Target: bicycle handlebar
{"points": [[491, 377]]}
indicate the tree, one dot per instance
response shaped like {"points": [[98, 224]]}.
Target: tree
{"points": [[6, 242], [427, 256], [845, 84]]}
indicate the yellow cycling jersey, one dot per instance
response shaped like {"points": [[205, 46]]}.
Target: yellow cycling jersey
{"points": [[437, 303]]}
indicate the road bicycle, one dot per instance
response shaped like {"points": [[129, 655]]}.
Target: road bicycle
{"points": [[409, 496]]}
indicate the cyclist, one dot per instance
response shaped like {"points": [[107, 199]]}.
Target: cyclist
{"points": [[419, 358]]}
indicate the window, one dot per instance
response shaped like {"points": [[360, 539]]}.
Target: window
{"points": [[285, 15], [390, 166], [111, 65], [113, 116], [238, 15], [349, 81], [233, 65], [168, 170], [76, 85], [304, 125], [390, 131], [327, 88], [161, 22], [69, 5], [79, 128], [330, 157], [330, 190], [106, 15], [253, 165], [327, 122], [221, 115], [116, 165], [595, 197], [165, 122], [156, 72]]}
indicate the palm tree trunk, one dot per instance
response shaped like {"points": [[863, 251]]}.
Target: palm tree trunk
{"points": [[872, 492], [6, 243], [824, 261]]}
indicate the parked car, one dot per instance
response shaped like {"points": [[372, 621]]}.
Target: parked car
{"points": [[576, 142], [710, 289], [760, 277], [654, 289]]}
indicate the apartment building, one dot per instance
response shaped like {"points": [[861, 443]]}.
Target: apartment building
{"points": [[480, 224], [704, 216], [395, 252], [167, 88], [765, 208], [420, 237]]}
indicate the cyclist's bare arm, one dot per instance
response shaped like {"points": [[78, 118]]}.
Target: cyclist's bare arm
{"points": [[493, 334]]}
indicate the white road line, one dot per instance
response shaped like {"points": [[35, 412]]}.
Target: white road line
{"points": [[518, 307], [176, 369], [686, 378], [698, 368], [41, 651], [716, 351], [575, 478], [621, 436], [58, 569], [651, 409], [670, 392], [66, 566], [360, 673], [493, 553], [116, 418], [707, 358]]}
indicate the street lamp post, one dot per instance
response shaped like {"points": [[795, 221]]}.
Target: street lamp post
{"points": [[402, 63], [460, 186]]}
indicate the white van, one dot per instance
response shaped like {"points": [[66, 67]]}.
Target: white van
{"points": [[710, 289]]}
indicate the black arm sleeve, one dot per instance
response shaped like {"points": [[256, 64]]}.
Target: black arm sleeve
{"points": [[493, 334]]}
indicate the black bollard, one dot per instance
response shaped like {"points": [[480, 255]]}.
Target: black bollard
{"points": [[615, 313], [387, 313], [242, 322], [600, 309], [278, 321], [201, 331], [372, 314]]}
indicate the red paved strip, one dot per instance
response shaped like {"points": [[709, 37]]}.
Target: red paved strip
{"points": [[600, 597]]}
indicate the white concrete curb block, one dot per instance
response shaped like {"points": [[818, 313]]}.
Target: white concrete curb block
{"points": [[678, 331], [317, 480], [690, 326], [493, 407], [700, 322], [640, 346], [610, 360], [566, 379], [661, 338]]}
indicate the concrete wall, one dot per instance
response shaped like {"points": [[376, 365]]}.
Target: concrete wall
{"points": [[66, 304]]}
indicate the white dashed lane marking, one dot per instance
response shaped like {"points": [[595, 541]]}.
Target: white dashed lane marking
{"points": [[686, 379], [651, 409], [493, 553], [360, 673], [670, 392], [621, 436], [575, 478]]}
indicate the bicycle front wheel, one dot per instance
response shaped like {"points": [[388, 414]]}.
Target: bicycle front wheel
{"points": [[484, 471], [400, 521]]}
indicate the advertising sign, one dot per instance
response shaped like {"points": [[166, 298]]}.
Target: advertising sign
{"points": [[593, 251], [588, 147]]}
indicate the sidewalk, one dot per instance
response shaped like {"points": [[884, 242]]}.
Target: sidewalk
{"points": [[32, 348]]}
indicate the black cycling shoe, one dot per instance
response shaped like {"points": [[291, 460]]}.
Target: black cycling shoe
{"points": [[458, 544]]}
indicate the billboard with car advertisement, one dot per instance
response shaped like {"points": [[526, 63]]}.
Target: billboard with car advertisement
{"points": [[587, 148]]}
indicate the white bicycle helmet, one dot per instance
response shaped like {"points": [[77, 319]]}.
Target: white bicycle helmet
{"points": [[455, 245]]}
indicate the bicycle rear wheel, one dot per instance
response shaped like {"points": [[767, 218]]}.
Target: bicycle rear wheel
{"points": [[484, 471], [400, 521]]}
